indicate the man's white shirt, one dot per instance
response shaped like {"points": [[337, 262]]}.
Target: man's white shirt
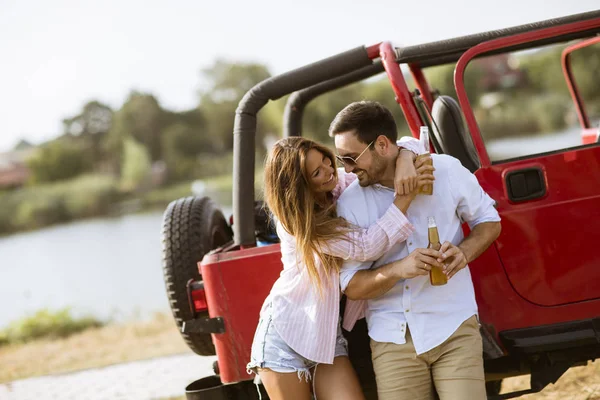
{"points": [[432, 313]]}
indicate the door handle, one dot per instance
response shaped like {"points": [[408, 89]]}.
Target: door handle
{"points": [[525, 184]]}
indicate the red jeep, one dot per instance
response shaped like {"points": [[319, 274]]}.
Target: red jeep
{"points": [[538, 286]]}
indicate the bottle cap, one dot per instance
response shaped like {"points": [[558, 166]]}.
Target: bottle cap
{"points": [[424, 139]]}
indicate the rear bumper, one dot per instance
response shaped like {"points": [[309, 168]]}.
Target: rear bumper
{"points": [[556, 337]]}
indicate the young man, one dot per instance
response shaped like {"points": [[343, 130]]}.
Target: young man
{"points": [[421, 335]]}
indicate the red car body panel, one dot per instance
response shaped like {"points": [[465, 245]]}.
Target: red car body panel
{"points": [[236, 285]]}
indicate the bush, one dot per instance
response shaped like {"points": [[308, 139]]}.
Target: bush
{"points": [[42, 205], [46, 324], [59, 160]]}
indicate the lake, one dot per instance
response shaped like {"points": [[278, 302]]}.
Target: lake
{"points": [[110, 268]]}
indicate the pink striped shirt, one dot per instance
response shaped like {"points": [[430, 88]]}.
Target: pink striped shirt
{"points": [[307, 320]]}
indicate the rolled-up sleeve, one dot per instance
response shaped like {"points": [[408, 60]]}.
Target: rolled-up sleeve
{"points": [[475, 206], [409, 143], [349, 269]]}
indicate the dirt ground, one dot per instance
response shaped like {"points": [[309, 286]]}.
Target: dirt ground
{"points": [[114, 344], [93, 348], [578, 383]]}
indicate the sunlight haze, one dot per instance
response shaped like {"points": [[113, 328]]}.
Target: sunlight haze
{"points": [[58, 55]]}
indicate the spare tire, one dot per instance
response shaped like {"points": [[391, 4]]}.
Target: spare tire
{"points": [[192, 227]]}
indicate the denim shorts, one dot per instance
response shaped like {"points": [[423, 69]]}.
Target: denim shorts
{"points": [[270, 351]]}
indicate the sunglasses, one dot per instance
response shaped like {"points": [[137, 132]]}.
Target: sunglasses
{"points": [[350, 161]]}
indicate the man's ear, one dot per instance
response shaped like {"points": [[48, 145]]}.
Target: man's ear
{"points": [[383, 146]]}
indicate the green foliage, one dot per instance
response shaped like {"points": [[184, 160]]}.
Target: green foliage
{"points": [[321, 111], [38, 206], [46, 324], [228, 81], [91, 127], [441, 78], [225, 83], [59, 160], [95, 119], [142, 118], [136, 164], [183, 145], [164, 195]]}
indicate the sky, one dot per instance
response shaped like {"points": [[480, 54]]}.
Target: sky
{"points": [[57, 55]]}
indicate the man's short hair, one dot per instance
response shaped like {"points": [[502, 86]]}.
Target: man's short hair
{"points": [[367, 119]]}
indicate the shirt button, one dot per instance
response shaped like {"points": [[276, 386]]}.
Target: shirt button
{"points": [[410, 243], [407, 310], [406, 287]]}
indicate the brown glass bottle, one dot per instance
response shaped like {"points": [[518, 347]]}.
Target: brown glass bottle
{"points": [[437, 277]]}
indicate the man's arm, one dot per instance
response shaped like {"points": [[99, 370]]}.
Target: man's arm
{"points": [[372, 283], [480, 238], [476, 208]]}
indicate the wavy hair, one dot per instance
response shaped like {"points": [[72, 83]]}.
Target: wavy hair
{"points": [[293, 203]]}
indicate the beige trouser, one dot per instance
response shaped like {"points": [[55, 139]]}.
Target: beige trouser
{"points": [[455, 368]]}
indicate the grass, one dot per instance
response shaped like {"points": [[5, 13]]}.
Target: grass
{"points": [[46, 324], [92, 348]]}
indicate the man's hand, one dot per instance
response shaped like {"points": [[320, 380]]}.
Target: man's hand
{"points": [[417, 263], [372, 283], [405, 180], [453, 258]]}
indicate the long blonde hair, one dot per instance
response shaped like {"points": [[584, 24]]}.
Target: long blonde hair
{"points": [[293, 203]]}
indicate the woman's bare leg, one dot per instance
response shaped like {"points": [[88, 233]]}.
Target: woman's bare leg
{"points": [[284, 386], [337, 381]]}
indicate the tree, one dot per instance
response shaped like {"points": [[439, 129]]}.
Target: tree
{"points": [[141, 117], [59, 160], [90, 126], [226, 82], [182, 145], [224, 85], [94, 119], [136, 164]]}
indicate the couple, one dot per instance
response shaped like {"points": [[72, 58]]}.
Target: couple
{"points": [[364, 230]]}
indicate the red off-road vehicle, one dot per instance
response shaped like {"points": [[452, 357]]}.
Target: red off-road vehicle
{"points": [[537, 286]]}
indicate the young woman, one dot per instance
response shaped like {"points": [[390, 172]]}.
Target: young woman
{"points": [[299, 326]]}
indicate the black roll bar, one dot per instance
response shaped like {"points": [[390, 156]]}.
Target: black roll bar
{"points": [[294, 108], [244, 130], [450, 50]]}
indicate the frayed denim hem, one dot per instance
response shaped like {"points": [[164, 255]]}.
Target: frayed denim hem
{"points": [[303, 373]]}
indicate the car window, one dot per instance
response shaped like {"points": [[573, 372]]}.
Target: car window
{"points": [[521, 100]]}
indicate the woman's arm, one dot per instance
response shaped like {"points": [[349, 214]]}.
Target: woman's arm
{"points": [[368, 244]]}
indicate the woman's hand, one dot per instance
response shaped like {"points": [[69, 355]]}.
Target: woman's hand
{"points": [[405, 180]]}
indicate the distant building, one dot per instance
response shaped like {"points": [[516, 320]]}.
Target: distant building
{"points": [[13, 167]]}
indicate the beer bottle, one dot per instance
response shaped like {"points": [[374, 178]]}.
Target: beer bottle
{"points": [[424, 150], [437, 277]]}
